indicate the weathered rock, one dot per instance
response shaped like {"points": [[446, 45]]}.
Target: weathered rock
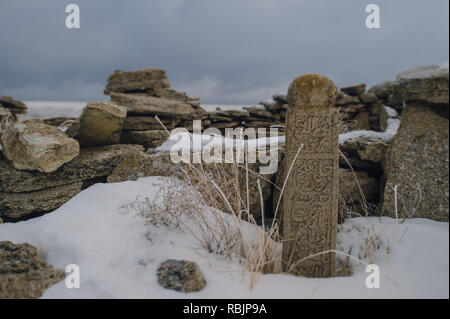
{"points": [[314, 187], [15, 106], [141, 104], [147, 123], [354, 90], [136, 81], [423, 85], [364, 152], [94, 163], [23, 274], [17, 207], [417, 161], [34, 145], [181, 275], [148, 139], [101, 124], [361, 121]]}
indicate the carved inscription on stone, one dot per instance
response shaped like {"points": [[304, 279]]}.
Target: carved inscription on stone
{"points": [[311, 195]]}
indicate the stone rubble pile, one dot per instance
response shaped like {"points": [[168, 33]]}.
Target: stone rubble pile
{"points": [[77, 153], [145, 94]]}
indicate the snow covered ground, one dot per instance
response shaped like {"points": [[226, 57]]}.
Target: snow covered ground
{"points": [[117, 259]]}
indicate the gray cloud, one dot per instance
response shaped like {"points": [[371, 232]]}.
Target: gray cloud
{"points": [[227, 51]]}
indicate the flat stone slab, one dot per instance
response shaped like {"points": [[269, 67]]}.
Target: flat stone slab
{"points": [[142, 104], [137, 81]]}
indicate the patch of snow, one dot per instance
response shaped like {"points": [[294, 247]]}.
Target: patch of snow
{"points": [[390, 111], [117, 260], [391, 129]]}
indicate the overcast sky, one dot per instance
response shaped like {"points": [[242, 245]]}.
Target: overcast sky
{"points": [[224, 51]]}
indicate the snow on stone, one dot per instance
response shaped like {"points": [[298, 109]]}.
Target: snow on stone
{"points": [[392, 127], [117, 259], [390, 111]]}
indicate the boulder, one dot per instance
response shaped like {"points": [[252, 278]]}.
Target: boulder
{"points": [[148, 105], [23, 274], [34, 145], [136, 81], [422, 85], [354, 90], [181, 275], [148, 139], [364, 152], [417, 162], [100, 123]]}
